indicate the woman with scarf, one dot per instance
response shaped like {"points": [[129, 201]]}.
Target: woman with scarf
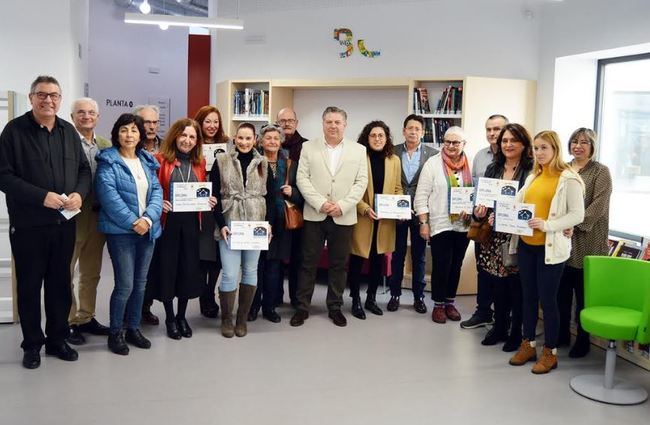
{"points": [[447, 232]]}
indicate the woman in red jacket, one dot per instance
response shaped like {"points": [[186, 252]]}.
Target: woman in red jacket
{"points": [[175, 270]]}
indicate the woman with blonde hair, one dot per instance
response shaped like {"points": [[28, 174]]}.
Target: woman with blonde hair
{"points": [[557, 192]]}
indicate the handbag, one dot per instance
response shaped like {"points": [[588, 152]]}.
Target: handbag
{"points": [[509, 260], [292, 215], [479, 231]]}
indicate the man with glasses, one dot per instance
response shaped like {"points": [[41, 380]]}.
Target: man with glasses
{"points": [[413, 154], [44, 174], [483, 314], [288, 121], [89, 243], [150, 114]]}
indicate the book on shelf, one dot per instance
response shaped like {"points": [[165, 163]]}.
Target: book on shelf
{"points": [[451, 100], [421, 101], [251, 102], [624, 249]]}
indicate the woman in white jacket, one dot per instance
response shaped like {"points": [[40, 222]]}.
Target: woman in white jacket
{"points": [[448, 232], [557, 193]]}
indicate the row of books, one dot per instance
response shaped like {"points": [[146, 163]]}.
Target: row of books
{"points": [[450, 102], [251, 102], [629, 249], [434, 129]]}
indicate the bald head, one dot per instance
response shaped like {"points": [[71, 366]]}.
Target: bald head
{"points": [[288, 120]]}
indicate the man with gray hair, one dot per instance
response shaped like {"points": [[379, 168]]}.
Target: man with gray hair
{"points": [[89, 243], [150, 114], [332, 177]]}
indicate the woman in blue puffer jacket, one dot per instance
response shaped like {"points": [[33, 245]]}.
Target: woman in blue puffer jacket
{"points": [[130, 195]]}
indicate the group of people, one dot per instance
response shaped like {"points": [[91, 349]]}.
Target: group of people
{"points": [[69, 192]]}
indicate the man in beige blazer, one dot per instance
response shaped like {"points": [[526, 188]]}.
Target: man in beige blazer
{"points": [[332, 177]]}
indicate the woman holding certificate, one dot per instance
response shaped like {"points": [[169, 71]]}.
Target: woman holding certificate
{"points": [[242, 180], [512, 161], [589, 237], [209, 118], [372, 237], [557, 192], [440, 176], [131, 202], [175, 269], [269, 273]]}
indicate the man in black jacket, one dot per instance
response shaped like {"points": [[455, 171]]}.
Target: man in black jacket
{"points": [[44, 174]]}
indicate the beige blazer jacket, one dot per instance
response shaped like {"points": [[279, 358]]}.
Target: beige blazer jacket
{"points": [[317, 184]]}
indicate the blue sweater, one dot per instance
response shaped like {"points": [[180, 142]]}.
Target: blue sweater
{"points": [[116, 191]]}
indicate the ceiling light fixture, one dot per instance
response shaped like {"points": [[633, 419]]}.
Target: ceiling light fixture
{"points": [[145, 7], [184, 21]]}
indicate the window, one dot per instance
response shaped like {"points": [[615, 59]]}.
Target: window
{"points": [[623, 124]]}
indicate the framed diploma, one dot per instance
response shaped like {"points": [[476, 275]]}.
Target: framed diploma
{"points": [[393, 206], [249, 235], [211, 151], [191, 196], [512, 217], [490, 191], [461, 200]]}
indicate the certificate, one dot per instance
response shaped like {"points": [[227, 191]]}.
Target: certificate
{"points": [[489, 191], [68, 214], [210, 151], [461, 200], [393, 206], [249, 235], [191, 196], [512, 217]]}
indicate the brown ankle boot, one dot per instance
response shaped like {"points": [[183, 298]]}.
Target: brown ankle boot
{"points": [[525, 354], [227, 301], [546, 363], [246, 295]]}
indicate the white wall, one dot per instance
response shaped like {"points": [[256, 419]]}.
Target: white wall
{"points": [[120, 57]]}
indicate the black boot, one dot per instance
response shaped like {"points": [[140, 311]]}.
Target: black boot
{"points": [[513, 341], [582, 345], [495, 336], [117, 344], [357, 310], [371, 305]]}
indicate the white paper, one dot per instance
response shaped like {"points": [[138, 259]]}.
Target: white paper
{"points": [[249, 235], [191, 196], [490, 191], [210, 152], [461, 200], [68, 214], [393, 206], [512, 217]]}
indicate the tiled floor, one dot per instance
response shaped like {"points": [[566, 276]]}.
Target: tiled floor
{"points": [[397, 369]]}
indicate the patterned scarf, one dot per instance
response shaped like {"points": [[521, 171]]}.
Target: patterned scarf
{"points": [[449, 168]]}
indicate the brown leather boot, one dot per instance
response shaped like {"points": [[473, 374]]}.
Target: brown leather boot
{"points": [[227, 301], [525, 354], [246, 295], [546, 363]]}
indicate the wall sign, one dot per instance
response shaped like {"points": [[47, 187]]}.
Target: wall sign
{"points": [[346, 39]]}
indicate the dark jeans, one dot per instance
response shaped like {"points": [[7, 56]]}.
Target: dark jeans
{"points": [[355, 265], [418, 259], [42, 257], [314, 235], [572, 282], [448, 251], [539, 283], [130, 255], [507, 302], [269, 280], [294, 266], [484, 290]]}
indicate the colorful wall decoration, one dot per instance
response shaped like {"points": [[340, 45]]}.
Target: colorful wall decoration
{"points": [[346, 39]]}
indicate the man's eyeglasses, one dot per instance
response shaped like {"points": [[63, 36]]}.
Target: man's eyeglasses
{"points": [[81, 112], [41, 95], [454, 143], [290, 121]]}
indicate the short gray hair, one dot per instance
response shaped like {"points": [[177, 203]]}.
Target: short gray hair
{"points": [[269, 128], [137, 109], [84, 99], [455, 130], [47, 79], [335, 110]]}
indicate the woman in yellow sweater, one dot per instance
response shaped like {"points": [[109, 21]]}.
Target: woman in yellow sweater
{"points": [[557, 193]]}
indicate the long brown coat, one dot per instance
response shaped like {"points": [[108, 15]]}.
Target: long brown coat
{"points": [[362, 233]]}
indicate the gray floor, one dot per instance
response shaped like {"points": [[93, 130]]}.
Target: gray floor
{"points": [[399, 368]]}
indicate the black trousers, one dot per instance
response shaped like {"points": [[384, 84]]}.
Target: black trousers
{"points": [[448, 251], [314, 235], [507, 302], [42, 256], [355, 265], [572, 282]]}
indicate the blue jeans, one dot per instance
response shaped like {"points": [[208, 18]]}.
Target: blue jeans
{"points": [[418, 259], [231, 262], [130, 255]]}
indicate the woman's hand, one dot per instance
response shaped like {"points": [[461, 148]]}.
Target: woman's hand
{"points": [[371, 213], [167, 206], [424, 231], [568, 232], [212, 202], [491, 219], [141, 226], [480, 211], [225, 234], [286, 190], [536, 223]]}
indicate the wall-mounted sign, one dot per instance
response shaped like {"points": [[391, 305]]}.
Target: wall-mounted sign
{"points": [[164, 103], [119, 103], [346, 39]]}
